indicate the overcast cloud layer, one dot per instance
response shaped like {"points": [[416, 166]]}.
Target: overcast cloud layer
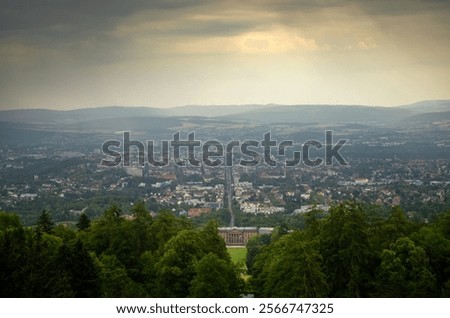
{"points": [[70, 54]]}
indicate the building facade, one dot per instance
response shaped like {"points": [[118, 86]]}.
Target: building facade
{"points": [[239, 236]]}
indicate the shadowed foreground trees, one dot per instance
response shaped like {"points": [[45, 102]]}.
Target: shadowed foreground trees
{"points": [[215, 276], [290, 267], [405, 271], [114, 257], [349, 252]]}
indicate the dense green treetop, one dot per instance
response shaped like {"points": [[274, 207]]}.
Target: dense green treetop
{"points": [[351, 251]]}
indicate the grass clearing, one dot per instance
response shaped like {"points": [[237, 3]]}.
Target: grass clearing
{"points": [[238, 254]]}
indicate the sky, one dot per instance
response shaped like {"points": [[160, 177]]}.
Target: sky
{"points": [[63, 54]]}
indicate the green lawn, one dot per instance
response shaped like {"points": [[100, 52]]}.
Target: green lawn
{"points": [[237, 254]]}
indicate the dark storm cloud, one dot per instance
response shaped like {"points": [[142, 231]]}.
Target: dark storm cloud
{"points": [[65, 19], [70, 53], [34, 16], [69, 16]]}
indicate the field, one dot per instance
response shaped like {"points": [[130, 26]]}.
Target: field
{"points": [[238, 254]]}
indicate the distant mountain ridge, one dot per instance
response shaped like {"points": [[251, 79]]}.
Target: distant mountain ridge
{"points": [[325, 114], [77, 115], [430, 106], [262, 114]]}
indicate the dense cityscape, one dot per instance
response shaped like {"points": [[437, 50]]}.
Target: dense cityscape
{"points": [[67, 182]]}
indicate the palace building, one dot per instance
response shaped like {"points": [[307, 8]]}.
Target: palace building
{"points": [[239, 236]]}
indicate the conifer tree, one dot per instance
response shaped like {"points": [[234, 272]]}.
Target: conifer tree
{"points": [[84, 222], [45, 223]]}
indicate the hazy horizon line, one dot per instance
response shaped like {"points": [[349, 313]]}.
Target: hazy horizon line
{"points": [[219, 105]]}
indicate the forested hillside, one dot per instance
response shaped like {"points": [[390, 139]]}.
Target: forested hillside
{"points": [[349, 252], [353, 253], [115, 257]]}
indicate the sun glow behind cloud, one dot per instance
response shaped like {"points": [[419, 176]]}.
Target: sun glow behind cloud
{"points": [[224, 52]]}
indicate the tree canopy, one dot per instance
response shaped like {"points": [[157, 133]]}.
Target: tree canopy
{"points": [[348, 252]]}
